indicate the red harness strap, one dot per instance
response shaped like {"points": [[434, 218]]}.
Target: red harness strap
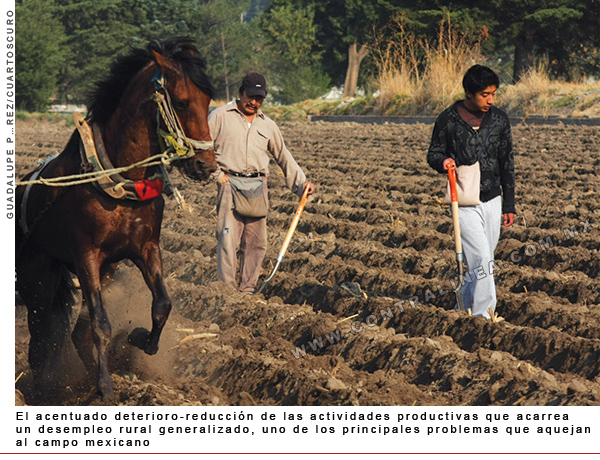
{"points": [[148, 189]]}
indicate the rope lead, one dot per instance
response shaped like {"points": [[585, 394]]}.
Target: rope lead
{"points": [[176, 145]]}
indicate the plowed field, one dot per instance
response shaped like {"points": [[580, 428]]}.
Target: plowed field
{"points": [[360, 310]]}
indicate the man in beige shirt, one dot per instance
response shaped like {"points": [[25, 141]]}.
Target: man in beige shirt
{"points": [[244, 136]]}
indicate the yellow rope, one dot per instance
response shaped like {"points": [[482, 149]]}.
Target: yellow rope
{"points": [[172, 139], [175, 136], [94, 176]]}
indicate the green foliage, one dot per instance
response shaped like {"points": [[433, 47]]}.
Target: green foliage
{"points": [[291, 33], [339, 23], [553, 30], [212, 24], [256, 7], [566, 101], [343, 22], [57, 118], [291, 54], [39, 37], [301, 46], [300, 84], [97, 30]]}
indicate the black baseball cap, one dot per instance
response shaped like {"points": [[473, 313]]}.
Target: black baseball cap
{"points": [[255, 85]]}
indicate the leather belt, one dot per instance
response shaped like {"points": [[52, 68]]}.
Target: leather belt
{"points": [[237, 174]]}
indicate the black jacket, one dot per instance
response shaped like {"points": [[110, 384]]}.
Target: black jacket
{"points": [[454, 138]]}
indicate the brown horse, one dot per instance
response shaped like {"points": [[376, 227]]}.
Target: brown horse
{"points": [[154, 102]]}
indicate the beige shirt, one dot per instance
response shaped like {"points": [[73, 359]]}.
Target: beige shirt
{"points": [[244, 149]]}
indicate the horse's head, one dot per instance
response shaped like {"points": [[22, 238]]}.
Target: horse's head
{"points": [[183, 96]]}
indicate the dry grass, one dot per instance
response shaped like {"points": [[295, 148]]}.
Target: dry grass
{"points": [[398, 65], [446, 63], [417, 77], [423, 76], [536, 94], [529, 96], [521, 100]]}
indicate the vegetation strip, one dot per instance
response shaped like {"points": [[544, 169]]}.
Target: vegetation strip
{"points": [[533, 120]]}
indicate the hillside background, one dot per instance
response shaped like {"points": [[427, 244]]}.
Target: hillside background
{"points": [[397, 57]]}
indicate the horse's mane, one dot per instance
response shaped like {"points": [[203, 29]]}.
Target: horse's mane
{"points": [[105, 98]]}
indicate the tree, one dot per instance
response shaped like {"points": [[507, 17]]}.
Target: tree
{"points": [[355, 57], [39, 36], [566, 30], [560, 33], [97, 31], [585, 58], [291, 53], [343, 26], [543, 29], [212, 24]]}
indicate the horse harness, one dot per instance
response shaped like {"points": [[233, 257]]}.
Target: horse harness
{"points": [[174, 138], [174, 143], [34, 176], [94, 158]]}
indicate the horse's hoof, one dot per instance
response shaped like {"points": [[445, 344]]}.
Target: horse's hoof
{"points": [[105, 390], [140, 337], [151, 348], [106, 394]]}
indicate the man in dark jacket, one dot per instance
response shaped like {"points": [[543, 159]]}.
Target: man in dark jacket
{"points": [[469, 131]]}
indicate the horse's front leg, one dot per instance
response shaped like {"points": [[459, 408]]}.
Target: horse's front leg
{"points": [[150, 264], [88, 271]]}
